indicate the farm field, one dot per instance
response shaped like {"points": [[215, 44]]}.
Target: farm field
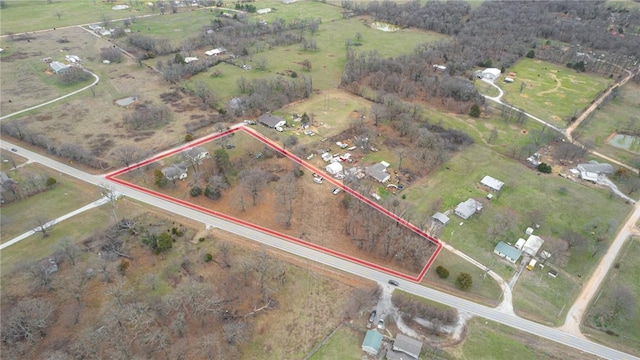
{"points": [[21, 16], [625, 333], [327, 62], [552, 92], [617, 117], [66, 195]]}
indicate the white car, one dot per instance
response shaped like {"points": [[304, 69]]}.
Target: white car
{"points": [[279, 128], [376, 196], [381, 324], [317, 180], [336, 191], [310, 157]]}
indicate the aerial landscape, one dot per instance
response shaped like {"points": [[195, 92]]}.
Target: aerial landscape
{"points": [[319, 179]]}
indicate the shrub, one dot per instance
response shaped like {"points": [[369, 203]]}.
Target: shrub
{"points": [[531, 54], [74, 75], [475, 111], [195, 191], [442, 272], [188, 138], [51, 181], [544, 168], [464, 281], [123, 266], [208, 257]]}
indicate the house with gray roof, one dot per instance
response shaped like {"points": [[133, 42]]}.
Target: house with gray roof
{"points": [[467, 208], [271, 121], [175, 172], [58, 67], [196, 154], [507, 251], [404, 348], [492, 183], [379, 172], [372, 342], [441, 218], [592, 169]]}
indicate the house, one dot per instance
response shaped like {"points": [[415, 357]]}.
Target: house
{"points": [[532, 245], [334, 168], [379, 172], [372, 342], [263, 11], [196, 154], [508, 252], [95, 27], [404, 347], [271, 121], [491, 183], [58, 67], [189, 59], [441, 218], [467, 208], [591, 170], [175, 172], [216, 52], [489, 74], [105, 32]]}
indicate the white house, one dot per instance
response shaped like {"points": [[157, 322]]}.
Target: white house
{"points": [[489, 74], [491, 183], [466, 209], [189, 59], [215, 52], [334, 168]]}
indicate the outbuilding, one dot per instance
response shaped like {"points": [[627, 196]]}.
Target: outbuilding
{"points": [[532, 245], [441, 218], [490, 74], [404, 347], [58, 67], [492, 183], [334, 168], [372, 342]]}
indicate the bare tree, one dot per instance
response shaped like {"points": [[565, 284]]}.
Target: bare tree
{"points": [[27, 320], [622, 303], [253, 180], [69, 249], [261, 63], [235, 332], [285, 194], [575, 240], [558, 250], [127, 154], [37, 271], [59, 14]]}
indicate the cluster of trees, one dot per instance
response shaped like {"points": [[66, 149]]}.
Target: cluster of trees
{"points": [[148, 116], [149, 46], [20, 129], [408, 76], [73, 75], [177, 70], [30, 184], [112, 54], [268, 94]]}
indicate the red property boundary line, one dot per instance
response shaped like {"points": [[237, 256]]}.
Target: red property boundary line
{"points": [[112, 177]]}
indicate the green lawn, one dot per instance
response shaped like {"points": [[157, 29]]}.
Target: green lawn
{"points": [[619, 115], [485, 290], [625, 327], [485, 89], [552, 92], [20, 16], [67, 195], [343, 344]]}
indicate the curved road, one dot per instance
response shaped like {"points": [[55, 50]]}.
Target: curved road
{"points": [[337, 263]]}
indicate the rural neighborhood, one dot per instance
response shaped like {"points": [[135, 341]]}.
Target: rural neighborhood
{"points": [[319, 179]]}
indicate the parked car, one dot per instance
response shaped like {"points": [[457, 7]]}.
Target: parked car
{"points": [[393, 282], [310, 157], [279, 129], [317, 180], [249, 122], [376, 196], [372, 316], [336, 191], [381, 324]]}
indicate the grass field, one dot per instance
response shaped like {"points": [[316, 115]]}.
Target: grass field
{"points": [[20, 16], [67, 195], [619, 114], [552, 92], [343, 344], [327, 62], [625, 327]]}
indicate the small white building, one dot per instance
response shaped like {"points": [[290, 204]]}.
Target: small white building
{"points": [[58, 67], [532, 245], [264, 11], [440, 67], [334, 168], [189, 59], [216, 51], [508, 80], [492, 183], [489, 74]]}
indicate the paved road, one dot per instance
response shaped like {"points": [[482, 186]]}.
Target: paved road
{"points": [[337, 263]]}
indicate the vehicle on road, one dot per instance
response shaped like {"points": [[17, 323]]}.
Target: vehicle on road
{"points": [[372, 316], [336, 191], [393, 282], [249, 122], [14, 149]]}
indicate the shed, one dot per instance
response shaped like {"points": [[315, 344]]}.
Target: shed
{"points": [[532, 245], [263, 11], [467, 208], [216, 51], [520, 243], [372, 342], [334, 168], [379, 172], [492, 183], [403, 346], [271, 121], [58, 67], [189, 59], [440, 217], [508, 252], [508, 80]]}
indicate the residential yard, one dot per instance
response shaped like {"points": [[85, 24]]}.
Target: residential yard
{"points": [[624, 332], [343, 344], [67, 195], [485, 290], [618, 117], [489, 340], [21, 16], [485, 89], [552, 92]]}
